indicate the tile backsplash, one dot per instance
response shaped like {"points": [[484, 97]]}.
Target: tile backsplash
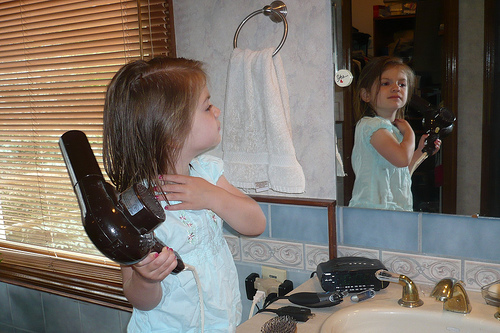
{"points": [[31, 311], [425, 247]]}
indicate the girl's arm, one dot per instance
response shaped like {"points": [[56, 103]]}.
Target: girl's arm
{"points": [[240, 211], [141, 282], [398, 154]]}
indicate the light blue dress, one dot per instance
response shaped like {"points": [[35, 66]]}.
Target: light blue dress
{"points": [[197, 237], [378, 184]]}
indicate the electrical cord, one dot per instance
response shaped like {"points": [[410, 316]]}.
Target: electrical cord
{"points": [[271, 298], [200, 294], [259, 296], [297, 313]]}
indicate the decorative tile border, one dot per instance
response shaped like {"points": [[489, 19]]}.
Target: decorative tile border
{"points": [[234, 246], [429, 270], [422, 269], [277, 253], [315, 255], [478, 274], [272, 252], [426, 270]]}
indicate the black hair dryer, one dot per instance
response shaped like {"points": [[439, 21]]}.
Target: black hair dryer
{"points": [[437, 122], [119, 224]]}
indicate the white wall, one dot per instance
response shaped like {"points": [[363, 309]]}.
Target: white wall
{"points": [[205, 30], [470, 105]]}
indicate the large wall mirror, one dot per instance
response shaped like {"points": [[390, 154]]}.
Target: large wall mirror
{"points": [[429, 39], [470, 158]]}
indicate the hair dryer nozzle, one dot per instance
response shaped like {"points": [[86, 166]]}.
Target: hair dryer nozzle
{"points": [[78, 156]]}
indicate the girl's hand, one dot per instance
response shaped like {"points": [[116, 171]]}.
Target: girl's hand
{"points": [[402, 125], [194, 193], [156, 266], [437, 145], [141, 281], [421, 144], [237, 209]]}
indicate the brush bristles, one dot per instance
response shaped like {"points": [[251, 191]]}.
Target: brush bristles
{"points": [[281, 324]]}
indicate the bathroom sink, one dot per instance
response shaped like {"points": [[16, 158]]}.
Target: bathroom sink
{"points": [[382, 316]]}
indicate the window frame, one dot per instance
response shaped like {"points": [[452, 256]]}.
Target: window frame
{"points": [[86, 278]]}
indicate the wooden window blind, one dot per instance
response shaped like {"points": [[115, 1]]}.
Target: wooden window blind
{"points": [[56, 59]]}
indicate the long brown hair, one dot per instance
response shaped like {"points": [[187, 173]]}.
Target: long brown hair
{"points": [[371, 74], [147, 117]]}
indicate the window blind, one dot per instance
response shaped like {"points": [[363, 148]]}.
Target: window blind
{"points": [[56, 59]]}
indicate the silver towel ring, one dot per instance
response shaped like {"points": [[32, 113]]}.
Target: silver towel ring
{"points": [[277, 12]]}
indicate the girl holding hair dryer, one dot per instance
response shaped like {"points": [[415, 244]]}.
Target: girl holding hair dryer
{"points": [[158, 123]]}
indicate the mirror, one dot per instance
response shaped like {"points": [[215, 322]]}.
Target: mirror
{"points": [[453, 184]]}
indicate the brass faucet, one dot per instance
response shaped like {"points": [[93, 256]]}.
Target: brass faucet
{"points": [[410, 298], [453, 295]]}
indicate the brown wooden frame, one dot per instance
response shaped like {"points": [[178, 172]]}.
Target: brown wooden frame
{"points": [[489, 75], [329, 204]]}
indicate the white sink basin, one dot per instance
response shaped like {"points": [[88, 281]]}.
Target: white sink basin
{"points": [[386, 316]]}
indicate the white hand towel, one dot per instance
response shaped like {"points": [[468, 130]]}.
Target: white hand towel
{"points": [[257, 136]]}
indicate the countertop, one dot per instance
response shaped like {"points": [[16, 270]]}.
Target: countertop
{"points": [[389, 295]]}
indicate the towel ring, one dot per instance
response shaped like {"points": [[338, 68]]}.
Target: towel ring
{"points": [[277, 12]]}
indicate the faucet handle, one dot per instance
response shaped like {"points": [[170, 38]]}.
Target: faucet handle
{"points": [[452, 293], [459, 302], [443, 289]]}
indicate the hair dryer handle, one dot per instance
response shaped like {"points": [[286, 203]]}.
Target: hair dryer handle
{"points": [[429, 147], [158, 247]]}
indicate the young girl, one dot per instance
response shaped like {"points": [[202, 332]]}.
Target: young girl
{"points": [[384, 143], [158, 121]]}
